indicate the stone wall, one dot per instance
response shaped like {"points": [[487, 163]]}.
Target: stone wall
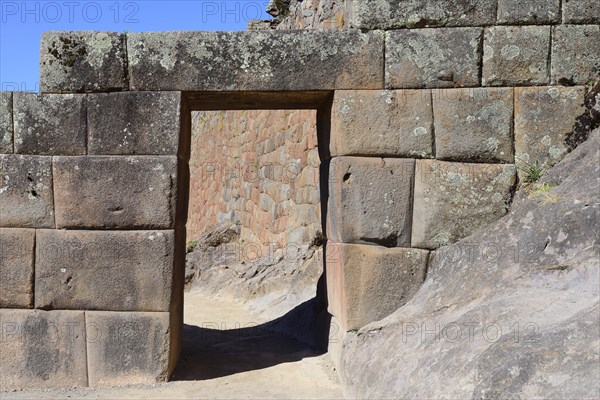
{"points": [[421, 133], [258, 168], [304, 14], [90, 220]]}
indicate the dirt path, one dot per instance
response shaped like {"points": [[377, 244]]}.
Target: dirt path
{"points": [[226, 363]]}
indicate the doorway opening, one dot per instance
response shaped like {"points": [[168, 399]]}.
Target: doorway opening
{"points": [[255, 286]]}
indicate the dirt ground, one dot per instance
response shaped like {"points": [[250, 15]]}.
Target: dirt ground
{"points": [[226, 355]]}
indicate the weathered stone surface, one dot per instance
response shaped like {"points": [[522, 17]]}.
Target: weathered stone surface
{"points": [[474, 124], [520, 12], [511, 312], [16, 267], [83, 62], [374, 122], [104, 270], [42, 349], [137, 192], [421, 58], [256, 60], [581, 12], [392, 14], [544, 116], [367, 283], [336, 342], [370, 200], [575, 54], [6, 122], [455, 200], [134, 123], [26, 198], [50, 124], [516, 55], [127, 347]]}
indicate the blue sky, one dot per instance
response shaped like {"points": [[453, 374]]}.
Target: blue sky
{"points": [[22, 24]]}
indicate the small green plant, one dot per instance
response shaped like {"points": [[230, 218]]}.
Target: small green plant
{"points": [[191, 246], [544, 192], [533, 172], [353, 330], [544, 188]]}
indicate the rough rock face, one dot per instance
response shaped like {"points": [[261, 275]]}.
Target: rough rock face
{"points": [[512, 312], [271, 284]]}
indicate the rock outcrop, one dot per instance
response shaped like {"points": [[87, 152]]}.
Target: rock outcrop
{"points": [[220, 263], [512, 312]]}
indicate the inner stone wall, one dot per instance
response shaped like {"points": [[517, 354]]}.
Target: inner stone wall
{"points": [[257, 168]]}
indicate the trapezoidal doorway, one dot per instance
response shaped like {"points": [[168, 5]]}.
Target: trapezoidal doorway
{"points": [[255, 289]]}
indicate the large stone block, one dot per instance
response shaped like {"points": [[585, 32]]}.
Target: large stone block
{"points": [[6, 122], [127, 348], [455, 200], [474, 124], [520, 12], [575, 54], [26, 198], [137, 192], [370, 200], [83, 62], [367, 283], [374, 122], [423, 58], [544, 116], [256, 60], [134, 123], [581, 12], [393, 14], [42, 349], [50, 124], [104, 270], [516, 55], [16, 267]]}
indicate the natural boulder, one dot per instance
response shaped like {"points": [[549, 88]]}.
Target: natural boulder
{"points": [[511, 312]]}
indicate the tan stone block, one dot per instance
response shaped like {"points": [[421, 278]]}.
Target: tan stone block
{"points": [[17, 248], [127, 348], [386, 123], [42, 349], [50, 124], [134, 123], [428, 58], [576, 53], [474, 124], [544, 116], [370, 200], [516, 55], [367, 283], [104, 270], [26, 199], [455, 200], [106, 192]]}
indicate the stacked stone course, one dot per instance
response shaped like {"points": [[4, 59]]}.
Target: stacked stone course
{"points": [[88, 232], [258, 168], [437, 163]]}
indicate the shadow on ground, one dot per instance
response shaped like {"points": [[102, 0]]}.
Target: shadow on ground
{"points": [[213, 351]]}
